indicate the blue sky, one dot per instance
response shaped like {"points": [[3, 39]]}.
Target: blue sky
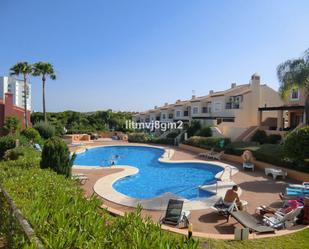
{"points": [[132, 55]]}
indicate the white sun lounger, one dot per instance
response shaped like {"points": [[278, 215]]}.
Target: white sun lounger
{"points": [[217, 156], [248, 166], [281, 220], [275, 173], [207, 154]]}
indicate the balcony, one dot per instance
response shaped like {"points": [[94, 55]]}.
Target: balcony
{"points": [[232, 105]]}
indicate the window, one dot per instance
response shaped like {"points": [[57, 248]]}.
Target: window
{"points": [[295, 94], [228, 105], [170, 116], [163, 116], [186, 113], [195, 110], [205, 109], [218, 107], [228, 120], [178, 114]]}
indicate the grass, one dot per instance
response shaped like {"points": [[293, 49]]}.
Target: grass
{"points": [[298, 240]]}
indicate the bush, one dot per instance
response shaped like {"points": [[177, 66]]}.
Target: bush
{"points": [[12, 124], [274, 139], [138, 137], [296, 145], [237, 148], [260, 137], [46, 130], [172, 134], [194, 127], [205, 132], [13, 154], [31, 134], [208, 142], [165, 140], [63, 218], [56, 155], [6, 143]]}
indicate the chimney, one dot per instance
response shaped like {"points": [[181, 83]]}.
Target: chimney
{"points": [[193, 96], [177, 101], [165, 104], [233, 85], [211, 91], [255, 79], [155, 107]]}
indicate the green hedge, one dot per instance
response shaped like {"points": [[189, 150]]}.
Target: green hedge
{"points": [[63, 218], [145, 138], [138, 137], [296, 146], [261, 137], [269, 153], [208, 142]]}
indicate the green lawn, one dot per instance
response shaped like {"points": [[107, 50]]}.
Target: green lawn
{"points": [[293, 241]]}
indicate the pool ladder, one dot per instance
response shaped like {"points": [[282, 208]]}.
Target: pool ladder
{"points": [[221, 178]]}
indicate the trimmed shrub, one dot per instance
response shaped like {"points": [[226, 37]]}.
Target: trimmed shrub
{"points": [[296, 145], [237, 148], [165, 140], [274, 139], [260, 137], [31, 134], [138, 137], [205, 132], [46, 130], [208, 142], [56, 156], [6, 143]]}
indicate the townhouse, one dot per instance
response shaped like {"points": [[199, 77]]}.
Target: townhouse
{"points": [[233, 111]]}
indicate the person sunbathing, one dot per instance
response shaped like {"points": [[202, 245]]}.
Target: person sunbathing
{"points": [[232, 195]]}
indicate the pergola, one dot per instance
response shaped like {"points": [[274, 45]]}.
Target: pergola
{"points": [[280, 110]]}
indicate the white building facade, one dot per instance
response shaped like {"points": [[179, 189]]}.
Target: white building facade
{"points": [[15, 86]]}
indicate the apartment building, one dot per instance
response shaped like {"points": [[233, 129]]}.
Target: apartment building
{"points": [[232, 111], [16, 87]]}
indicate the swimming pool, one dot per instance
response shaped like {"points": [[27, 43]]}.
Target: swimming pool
{"points": [[154, 178]]}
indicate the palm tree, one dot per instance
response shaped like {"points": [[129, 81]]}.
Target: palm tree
{"points": [[295, 73], [44, 69], [25, 69]]}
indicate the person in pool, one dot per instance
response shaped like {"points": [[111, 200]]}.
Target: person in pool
{"points": [[232, 195]]}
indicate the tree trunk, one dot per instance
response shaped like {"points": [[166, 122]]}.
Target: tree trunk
{"points": [[43, 88], [307, 110], [25, 100]]}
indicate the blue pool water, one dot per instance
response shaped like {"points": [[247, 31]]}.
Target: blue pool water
{"points": [[154, 178]]}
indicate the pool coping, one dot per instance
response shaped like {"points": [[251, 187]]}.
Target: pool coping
{"points": [[104, 186]]}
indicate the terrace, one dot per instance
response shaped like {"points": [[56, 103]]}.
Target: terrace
{"points": [[256, 188]]}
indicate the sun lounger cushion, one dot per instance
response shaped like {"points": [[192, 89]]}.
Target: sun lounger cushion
{"points": [[247, 220]]}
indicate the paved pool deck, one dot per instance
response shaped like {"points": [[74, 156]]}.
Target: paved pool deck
{"points": [[257, 189]]}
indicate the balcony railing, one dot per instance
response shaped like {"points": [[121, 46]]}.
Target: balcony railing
{"points": [[230, 105]]}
